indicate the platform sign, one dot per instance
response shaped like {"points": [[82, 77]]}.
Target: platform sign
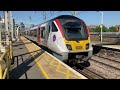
{"points": [[54, 37]]}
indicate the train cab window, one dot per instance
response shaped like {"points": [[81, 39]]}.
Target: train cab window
{"points": [[75, 31], [54, 28]]}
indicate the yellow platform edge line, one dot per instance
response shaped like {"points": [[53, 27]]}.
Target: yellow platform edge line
{"points": [[75, 72], [68, 75], [43, 71], [41, 68]]}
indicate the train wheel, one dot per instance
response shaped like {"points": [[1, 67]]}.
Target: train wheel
{"points": [[72, 62], [86, 63]]}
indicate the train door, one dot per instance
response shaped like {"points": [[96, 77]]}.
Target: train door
{"points": [[46, 33], [49, 36], [38, 35], [42, 35]]}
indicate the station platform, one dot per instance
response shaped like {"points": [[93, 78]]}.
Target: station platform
{"points": [[31, 62], [106, 44], [112, 46]]}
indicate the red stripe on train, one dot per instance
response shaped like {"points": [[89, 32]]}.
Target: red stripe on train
{"points": [[59, 26], [87, 30]]}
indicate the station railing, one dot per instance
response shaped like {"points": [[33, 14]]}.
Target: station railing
{"points": [[6, 57]]}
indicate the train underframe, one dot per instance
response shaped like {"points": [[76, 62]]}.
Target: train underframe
{"points": [[75, 58]]}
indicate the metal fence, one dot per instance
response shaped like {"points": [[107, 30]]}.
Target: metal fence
{"points": [[6, 57], [107, 34]]}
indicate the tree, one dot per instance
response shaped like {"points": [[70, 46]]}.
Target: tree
{"points": [[91, 29], [112, 29], [98, 29], [105, 29]]}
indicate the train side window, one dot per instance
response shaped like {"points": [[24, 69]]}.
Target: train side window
{"points": [[42, 28], [39, 31], [54, 28], [49, 30], [35, 33], [42, 32]]}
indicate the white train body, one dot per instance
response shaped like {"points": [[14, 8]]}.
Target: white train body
{"points": [[67, 36]]}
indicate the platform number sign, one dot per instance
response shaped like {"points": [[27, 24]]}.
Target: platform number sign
{"points": [[54, 37]]}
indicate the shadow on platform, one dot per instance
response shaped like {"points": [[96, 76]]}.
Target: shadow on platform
{"points": [[22, 68], [20, 43]]}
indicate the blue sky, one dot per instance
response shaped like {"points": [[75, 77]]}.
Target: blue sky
{"points": [[111, 18]]}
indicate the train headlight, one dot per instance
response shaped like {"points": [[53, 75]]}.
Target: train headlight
{"points": [[87, 46], [69, 47]]}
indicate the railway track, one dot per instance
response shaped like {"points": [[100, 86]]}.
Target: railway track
{"points": [[107, 62], [111, 64], [116, 61], [88, 73]]}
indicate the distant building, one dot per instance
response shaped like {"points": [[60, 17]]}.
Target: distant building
{"points": [[2, 23], [2, 20], [2, 26], [92, 26], [118, 28]]}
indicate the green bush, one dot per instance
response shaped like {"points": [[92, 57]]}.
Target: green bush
{"points": [[104, 29]]}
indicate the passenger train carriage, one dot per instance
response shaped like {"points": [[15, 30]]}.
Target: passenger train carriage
{"points": [[67, 36]]}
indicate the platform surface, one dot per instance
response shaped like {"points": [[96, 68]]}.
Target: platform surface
{"points": [[112, 46], [31, 62], [106, 44]]}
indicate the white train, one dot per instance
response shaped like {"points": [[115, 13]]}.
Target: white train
{"points": [[67, 36]]}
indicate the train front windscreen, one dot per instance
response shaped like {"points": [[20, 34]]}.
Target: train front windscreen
{"points": [[74, 29]]}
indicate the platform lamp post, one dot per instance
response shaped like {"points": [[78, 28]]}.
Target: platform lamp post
{"points": [[11, 24], [6, 27], [18, 33], [101, 24]]}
